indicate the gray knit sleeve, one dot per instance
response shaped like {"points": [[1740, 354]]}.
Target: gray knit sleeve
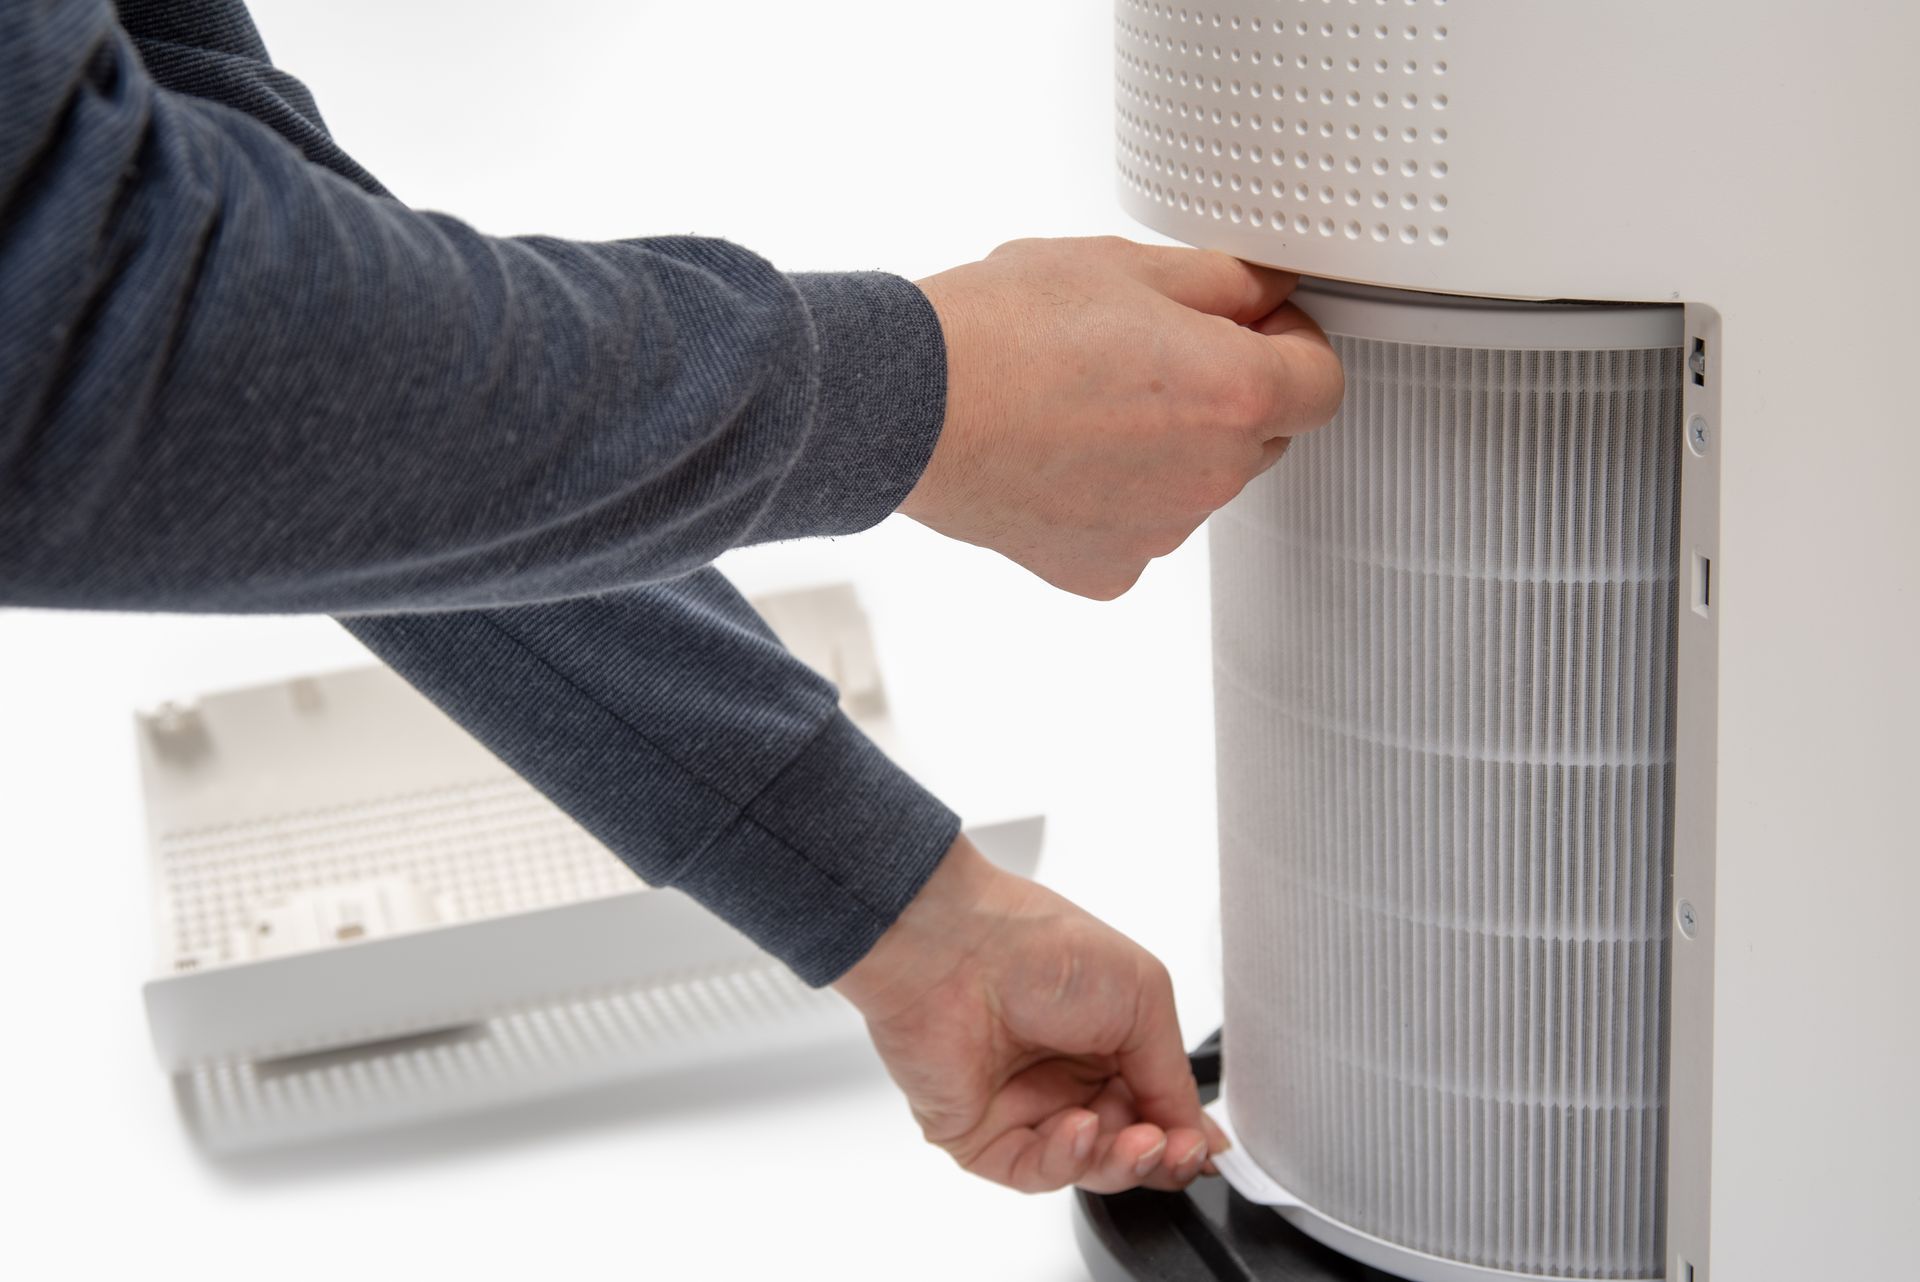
{"points": [[672, 725], [231, 380]]}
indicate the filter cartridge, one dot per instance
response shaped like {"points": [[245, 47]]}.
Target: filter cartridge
{"points": [[1444, 656]]}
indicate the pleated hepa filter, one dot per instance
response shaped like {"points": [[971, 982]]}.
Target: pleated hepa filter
{"points": [[1444, 647]]}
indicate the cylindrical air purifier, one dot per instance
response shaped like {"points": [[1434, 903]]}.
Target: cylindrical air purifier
{"points": [[1443, 659], [1566, 683]]}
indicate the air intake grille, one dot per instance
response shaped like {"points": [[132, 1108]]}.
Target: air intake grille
{"points": [[1444, 653]]}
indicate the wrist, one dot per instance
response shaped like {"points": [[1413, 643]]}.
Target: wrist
{"points": [[917, 501], [880, 404], [937, 493], [935, 937]]}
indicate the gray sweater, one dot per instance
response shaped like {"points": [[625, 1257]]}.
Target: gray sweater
{"points": [[236, 375]]}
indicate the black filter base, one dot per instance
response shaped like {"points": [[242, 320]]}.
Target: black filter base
{"points": [[1207, 1233]]}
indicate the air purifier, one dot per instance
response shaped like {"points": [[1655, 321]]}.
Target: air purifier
{"points": [[1566, 684]]}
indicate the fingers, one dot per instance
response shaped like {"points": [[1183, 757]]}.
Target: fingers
{"points": [[1040, 1159], [1036, 1095], [1217, 284], [1071, 1148], [1217, 1143], [1115, 1107], [1288, 319], [1105, 1148], [1189, 1153], [1180, 1164], [1125, 1160], [1304, 381]]}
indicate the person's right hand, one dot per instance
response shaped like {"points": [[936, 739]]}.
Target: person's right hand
{"points": [[1036, 1044], [1104, 398]]}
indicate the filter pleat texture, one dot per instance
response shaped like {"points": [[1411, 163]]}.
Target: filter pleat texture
{"points": [[1444, 648]]}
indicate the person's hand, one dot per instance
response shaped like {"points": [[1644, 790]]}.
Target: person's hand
{"points": [[1036, 1045], [1103, 398]]}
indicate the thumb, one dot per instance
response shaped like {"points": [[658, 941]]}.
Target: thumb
{"points": [[1153, 1062], [1305, 380]]}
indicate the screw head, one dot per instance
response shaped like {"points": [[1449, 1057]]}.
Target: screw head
{"points": [[1689, 920], [1698, 437]]}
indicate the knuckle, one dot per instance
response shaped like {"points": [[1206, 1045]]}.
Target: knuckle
{"points": [[1110, 584], [1161, 543], [1153, 984], [1155, 977], [1242, 401], [1167, 539], [1216, 487]]}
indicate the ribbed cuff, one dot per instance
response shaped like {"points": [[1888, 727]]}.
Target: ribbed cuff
{"points": [[821, 862], [881, 401]]}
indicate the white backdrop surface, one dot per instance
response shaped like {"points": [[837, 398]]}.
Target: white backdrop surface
{"points": [[851, 135]]}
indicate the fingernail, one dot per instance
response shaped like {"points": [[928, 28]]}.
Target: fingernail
{"points": [[1150, 1158], [1083, 1134], [1194, 1154]]}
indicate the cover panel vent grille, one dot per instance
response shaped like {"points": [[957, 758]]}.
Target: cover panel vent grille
{"points": [[1444, 644]]}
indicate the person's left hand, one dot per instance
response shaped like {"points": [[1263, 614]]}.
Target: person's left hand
{"points": [[1035, 1044]]}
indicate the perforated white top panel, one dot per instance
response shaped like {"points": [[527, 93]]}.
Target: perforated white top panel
{"points": [[1303, 119]]}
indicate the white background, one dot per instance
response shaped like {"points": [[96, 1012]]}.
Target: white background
{"points": [[848, 135]]}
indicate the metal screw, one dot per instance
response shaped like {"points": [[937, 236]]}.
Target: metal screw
{"points": [[1697, 435], [1688, 921]]}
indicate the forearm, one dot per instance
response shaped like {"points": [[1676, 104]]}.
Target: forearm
{"points": [[230, 380], [674, 727]]}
